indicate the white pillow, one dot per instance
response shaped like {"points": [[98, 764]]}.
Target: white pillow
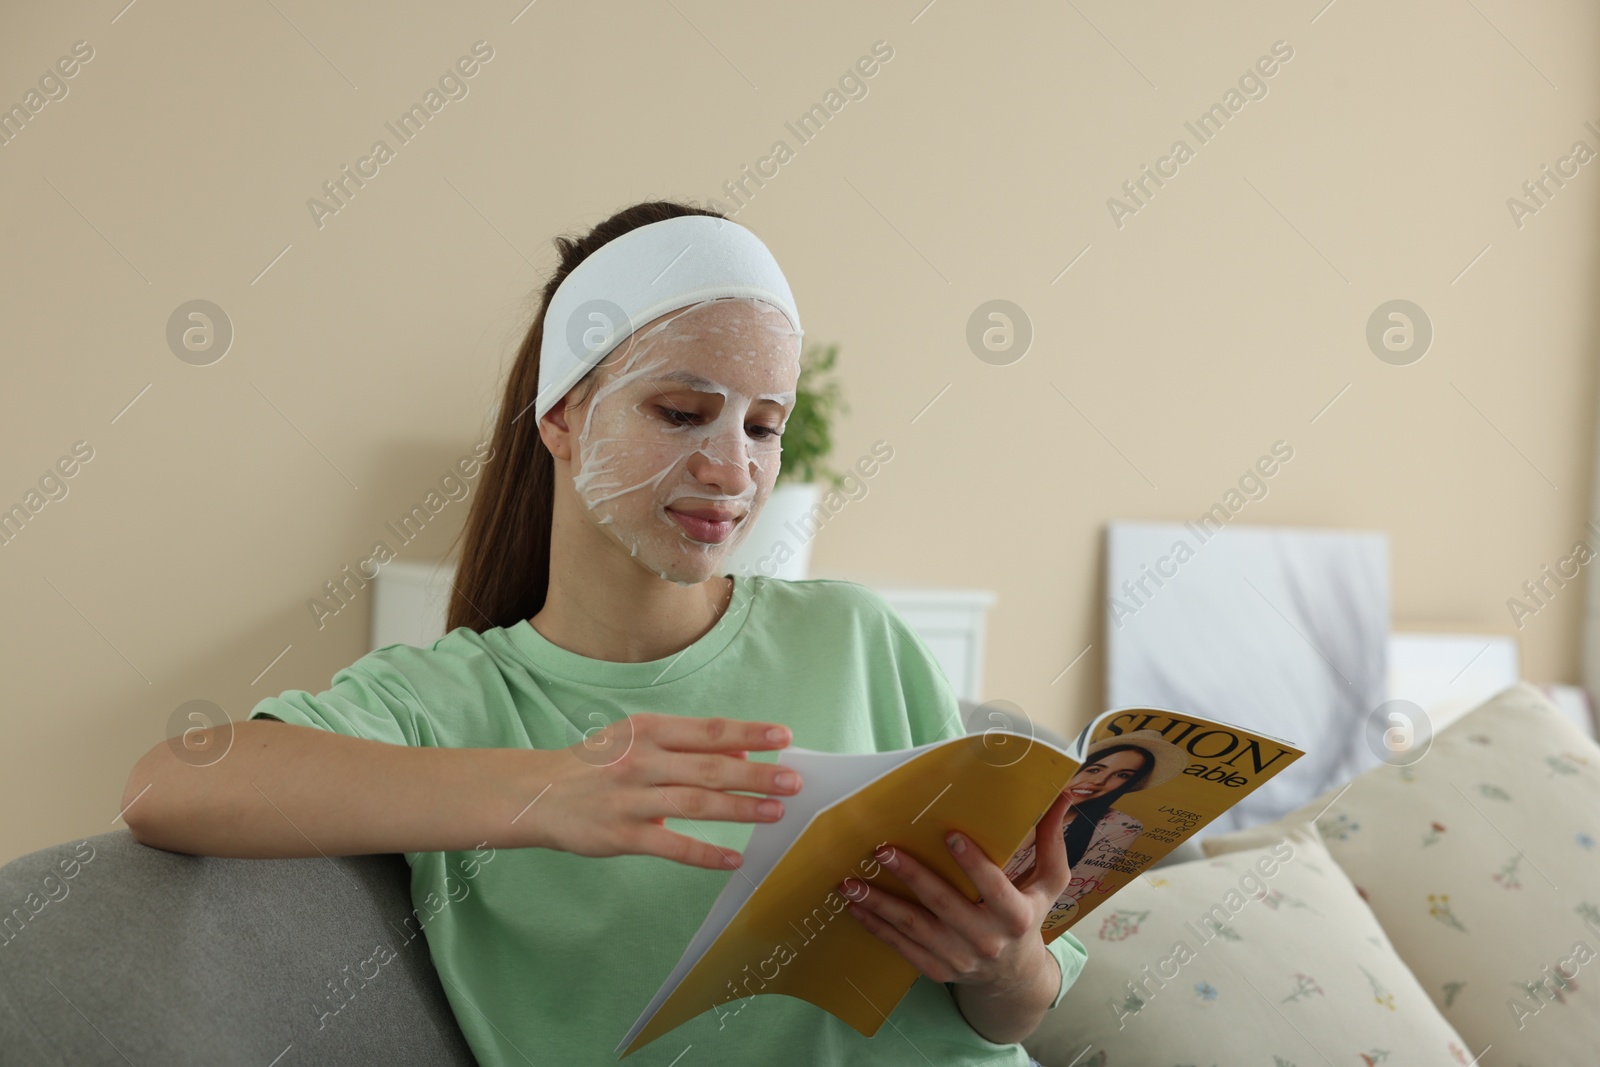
{"points": [[1266, 956], [1482, 862]]}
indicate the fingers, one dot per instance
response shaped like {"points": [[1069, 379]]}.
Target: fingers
{"points": [[711, 753], [1003, 912], [922, 937], [995, 889], [1052, 872], [943, 922], [712, 770], [714, 734], [687, 802], [659, 841], [915, 954], [938, 895], [709, 770], [668, 766]]}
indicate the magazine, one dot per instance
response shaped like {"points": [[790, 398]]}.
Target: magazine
{"points": [[1143, 781]]}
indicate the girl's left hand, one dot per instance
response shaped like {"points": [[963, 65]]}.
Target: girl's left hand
{"points": [[993, 943]]}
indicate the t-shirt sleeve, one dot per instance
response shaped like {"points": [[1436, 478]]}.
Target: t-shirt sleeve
{"points": [[930, 701], [1071, 955], [360, 702]]}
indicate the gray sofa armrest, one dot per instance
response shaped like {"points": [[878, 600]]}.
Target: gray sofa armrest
{"points": [[112, 952], [1187, 852]]}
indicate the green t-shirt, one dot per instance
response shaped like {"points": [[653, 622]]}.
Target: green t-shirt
{"points": [[548, 957]]}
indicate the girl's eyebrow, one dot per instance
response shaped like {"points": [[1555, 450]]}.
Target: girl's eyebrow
{"points": [[706, 385], [691, 379]]}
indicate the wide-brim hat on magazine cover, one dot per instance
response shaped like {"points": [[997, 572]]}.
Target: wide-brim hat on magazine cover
{"points": [[1169, 759]]}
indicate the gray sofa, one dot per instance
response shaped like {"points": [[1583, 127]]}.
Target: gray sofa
{"points": [[112, 952]]}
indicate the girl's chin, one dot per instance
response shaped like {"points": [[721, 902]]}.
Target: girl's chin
{"points": [[688, 567]]}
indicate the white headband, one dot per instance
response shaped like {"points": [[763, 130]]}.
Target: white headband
{"points": [[642, 275]]}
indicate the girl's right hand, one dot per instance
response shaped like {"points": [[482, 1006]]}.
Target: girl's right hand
{"points": [[609, 794]]}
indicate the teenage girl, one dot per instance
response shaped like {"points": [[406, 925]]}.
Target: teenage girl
{"points": [[572, 770]]}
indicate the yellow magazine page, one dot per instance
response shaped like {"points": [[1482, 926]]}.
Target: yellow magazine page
{"points": [[792, 935]]}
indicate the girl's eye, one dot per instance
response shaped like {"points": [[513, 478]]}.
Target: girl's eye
{"points": [[689, 418]]}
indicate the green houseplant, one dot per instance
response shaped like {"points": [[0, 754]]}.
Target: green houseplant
{"points": [[778, 543], [808, 435]]}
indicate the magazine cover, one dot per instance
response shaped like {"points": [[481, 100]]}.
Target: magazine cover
{"points": [[1143, 780], [1149, 779]]}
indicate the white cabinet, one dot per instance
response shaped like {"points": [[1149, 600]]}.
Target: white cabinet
{"points": [[951, 622], [410, 602], [410, 599]]}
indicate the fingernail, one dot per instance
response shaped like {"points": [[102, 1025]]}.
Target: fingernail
{"points": [[777, 733], [886, 857], [956, 842], [788, 780], [769, 809], [730, 860]]}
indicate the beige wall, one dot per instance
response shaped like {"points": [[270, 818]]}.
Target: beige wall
{"points": [[1223, 316]]}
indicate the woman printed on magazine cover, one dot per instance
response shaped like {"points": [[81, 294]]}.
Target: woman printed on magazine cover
{"points": [[1097, 834], [568, 770]]}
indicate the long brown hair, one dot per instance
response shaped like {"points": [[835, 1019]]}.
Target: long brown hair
{"points": [[1090, 812], [504, 571]]}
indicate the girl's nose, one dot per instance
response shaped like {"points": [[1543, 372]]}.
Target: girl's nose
{"points": [[724, 461]]}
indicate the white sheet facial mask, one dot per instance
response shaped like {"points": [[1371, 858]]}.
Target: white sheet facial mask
{"points": [[685, 416]]}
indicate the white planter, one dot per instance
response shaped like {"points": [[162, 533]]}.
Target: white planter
{"points": [[779, 544]]}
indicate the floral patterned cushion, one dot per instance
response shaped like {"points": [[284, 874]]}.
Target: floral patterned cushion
{"points": [[1481, 861], [1260, 957]]}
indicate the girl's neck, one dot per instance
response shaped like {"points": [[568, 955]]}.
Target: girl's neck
{"points": [[634, 619]]}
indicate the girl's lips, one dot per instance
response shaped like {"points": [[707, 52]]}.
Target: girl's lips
{"points": [[712, 532]]}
